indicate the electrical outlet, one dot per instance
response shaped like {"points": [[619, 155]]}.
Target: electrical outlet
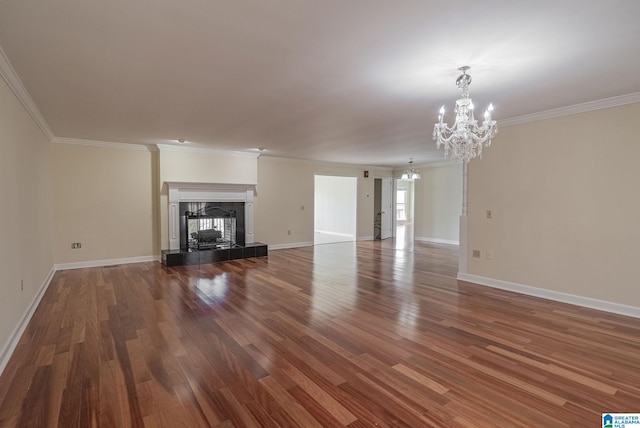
{"points": [[476, 253], [76, 245], [489, 255], [489, 214]]}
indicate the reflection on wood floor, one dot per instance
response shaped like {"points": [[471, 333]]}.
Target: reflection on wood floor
{"points": [[330, 238], [352, 334]]}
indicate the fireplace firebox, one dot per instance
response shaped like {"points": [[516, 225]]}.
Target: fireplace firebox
{"points": [[211, 225]]}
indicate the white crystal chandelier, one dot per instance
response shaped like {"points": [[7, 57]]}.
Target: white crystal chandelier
{"points": [[464, 140], [410, 174]]}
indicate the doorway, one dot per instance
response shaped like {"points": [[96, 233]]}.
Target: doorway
{"points": [[383, 208], [335, 202], [404, 212]]}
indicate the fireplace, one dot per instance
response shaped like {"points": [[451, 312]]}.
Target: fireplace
{"points": [[210, 222], [207, 225]]}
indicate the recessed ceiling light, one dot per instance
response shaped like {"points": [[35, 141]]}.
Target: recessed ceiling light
{"points": [[181, 141]]}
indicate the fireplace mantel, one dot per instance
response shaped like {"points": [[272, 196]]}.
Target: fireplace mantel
{"points": [[212, 192]]}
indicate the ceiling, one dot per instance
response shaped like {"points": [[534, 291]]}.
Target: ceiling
{"points": [[357, 81]]}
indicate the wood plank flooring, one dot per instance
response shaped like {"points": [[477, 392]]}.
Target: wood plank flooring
{"points": [[350, 334]]}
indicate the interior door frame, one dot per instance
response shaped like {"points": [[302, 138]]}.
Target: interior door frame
{"points": [[388, 210]]}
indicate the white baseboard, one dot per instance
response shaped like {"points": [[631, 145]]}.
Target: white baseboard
{"points": [[587, 302], [11, 343], [290, 245], [436, 240], [364, 238], [109, 262]]}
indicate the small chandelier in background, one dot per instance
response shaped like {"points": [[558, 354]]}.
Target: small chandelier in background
{"points": [[410, 174], [464, 140]]}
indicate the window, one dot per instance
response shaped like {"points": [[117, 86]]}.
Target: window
{"points": [[401, 205]]}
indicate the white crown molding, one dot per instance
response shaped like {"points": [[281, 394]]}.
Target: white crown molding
{"points": [[387, 169], [434, 164], [185, 186], [574, 109], [203, 150], [439, 163], [399, 170], [11, 77], [572, 299], [103, 144]]}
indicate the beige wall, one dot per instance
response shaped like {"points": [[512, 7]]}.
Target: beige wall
{"points": [[286, 185], [564, 197], [103, 198], [26, 229], [194, 166], [438, 203]]}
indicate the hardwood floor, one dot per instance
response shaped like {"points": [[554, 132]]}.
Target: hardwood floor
{"points": [[350, 334]]}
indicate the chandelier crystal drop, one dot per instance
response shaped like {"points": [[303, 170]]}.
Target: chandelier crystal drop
{"points": [[464, 140], [410, 174]]}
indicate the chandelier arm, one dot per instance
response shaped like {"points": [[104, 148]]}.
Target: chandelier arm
{"points": [[441, 131], [445, 140]]}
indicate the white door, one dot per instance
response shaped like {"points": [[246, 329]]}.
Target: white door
{"points": [[386, 209]]}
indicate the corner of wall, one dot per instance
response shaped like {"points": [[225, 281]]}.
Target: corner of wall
{"points": [[12, 341]]}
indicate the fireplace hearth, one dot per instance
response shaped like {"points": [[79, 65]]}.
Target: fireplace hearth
{"points": [[212, 255]]}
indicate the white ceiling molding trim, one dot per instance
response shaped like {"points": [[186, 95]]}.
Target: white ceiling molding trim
{"points": [[437, 164], [170, 148], [400, 169], [217, 187], [573, 109], [11, 77], [103, 144], [319, 162]]}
